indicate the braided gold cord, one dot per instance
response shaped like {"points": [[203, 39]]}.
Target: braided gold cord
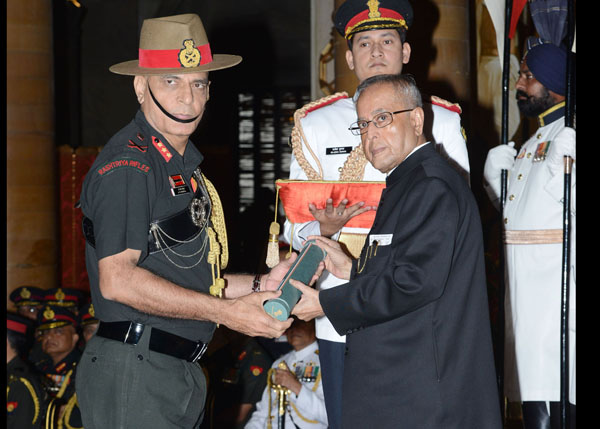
{"points": [[68, 410], [34, 398], [354, 167], [216, 289], [297, 137], [218, 220]]}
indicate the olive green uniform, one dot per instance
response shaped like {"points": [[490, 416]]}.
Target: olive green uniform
{"points": [[139, 178]]}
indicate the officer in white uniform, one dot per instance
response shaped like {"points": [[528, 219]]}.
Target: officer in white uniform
{"points": [[299, 374], [533, 216], [325, 149]]}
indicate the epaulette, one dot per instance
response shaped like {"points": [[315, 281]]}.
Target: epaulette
{"points": [[454, 107], [322, 102]]}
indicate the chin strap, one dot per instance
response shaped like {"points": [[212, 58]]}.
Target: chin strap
{"points": [[162, 109]]}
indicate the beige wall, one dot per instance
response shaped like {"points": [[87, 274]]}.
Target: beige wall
{"points": [[31, 167]]}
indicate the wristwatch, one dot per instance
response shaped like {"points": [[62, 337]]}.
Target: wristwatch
{"points": [[256, 283]]}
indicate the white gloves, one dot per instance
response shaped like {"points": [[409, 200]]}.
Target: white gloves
{"points": [[563, 144], [502, 157]]}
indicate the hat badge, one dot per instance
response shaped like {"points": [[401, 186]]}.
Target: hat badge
{"points": [[374, 9], [189, 56], [25, 293], [49, 314], [92, 310], [60, 295]]}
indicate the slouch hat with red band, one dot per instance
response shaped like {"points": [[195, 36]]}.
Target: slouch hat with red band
{"points": [[174, 44], [354, 16]]}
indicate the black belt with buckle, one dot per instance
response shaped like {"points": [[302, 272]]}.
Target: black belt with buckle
{"points": [[160, 341]]}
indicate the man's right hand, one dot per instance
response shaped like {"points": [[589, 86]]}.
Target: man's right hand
{"points": [[336, 262], [247, 315], [331, 219]]}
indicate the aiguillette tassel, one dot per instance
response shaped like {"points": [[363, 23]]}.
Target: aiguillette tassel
{"points": [[273, 245]]}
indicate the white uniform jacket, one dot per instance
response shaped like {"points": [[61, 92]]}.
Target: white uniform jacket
{"points": [[533, 299], [307, 409], [326, 131]]}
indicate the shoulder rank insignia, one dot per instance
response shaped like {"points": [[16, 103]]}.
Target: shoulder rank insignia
{"points": [[189, 56], [162, 149], [541, 151], [322, 102], [454, 107]]}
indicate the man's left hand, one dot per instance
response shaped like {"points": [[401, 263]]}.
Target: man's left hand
{"points": [[273, 279]]}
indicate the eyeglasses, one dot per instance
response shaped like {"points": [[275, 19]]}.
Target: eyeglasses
{"points": [[380, 120]]}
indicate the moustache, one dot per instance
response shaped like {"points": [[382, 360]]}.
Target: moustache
{"points": [[521, 94]]}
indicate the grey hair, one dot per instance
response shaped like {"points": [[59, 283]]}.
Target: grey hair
{"points": [[404, 85]]}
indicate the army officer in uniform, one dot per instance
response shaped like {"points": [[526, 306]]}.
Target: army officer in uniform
{"points": [[156, 244]]}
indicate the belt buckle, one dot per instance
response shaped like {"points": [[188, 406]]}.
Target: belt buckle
{"points": [[199, 354], [133, 333]]}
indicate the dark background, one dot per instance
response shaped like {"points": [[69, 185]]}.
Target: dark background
{"points": [[92, 104]]}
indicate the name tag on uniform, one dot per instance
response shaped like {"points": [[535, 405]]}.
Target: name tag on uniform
{"points": [[178, 186], [338, 150], [381, 239]]}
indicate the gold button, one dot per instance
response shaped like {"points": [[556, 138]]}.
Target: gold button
{"points": [[512, 197], [539, 136], [529, 155], [340, 169], [505, 220], [520, 177]]}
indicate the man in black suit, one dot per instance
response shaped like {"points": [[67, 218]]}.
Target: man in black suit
{"points": [[415, 309]]}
